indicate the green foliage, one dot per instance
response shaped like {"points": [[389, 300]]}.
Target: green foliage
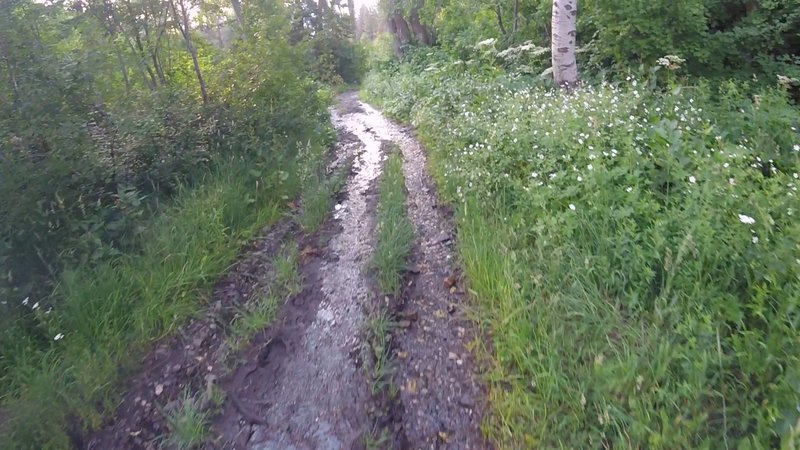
{"points": [[105, 315], [395, 231], [123, 195], [633, 250], [716, 37]]}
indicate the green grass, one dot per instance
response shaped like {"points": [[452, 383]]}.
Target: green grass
{"points": [[109, 314], [319, 187], [395, 233], [189, 424], [631, 252], [258, 313]]}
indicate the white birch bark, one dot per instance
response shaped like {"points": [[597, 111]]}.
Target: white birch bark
{"points": [[562, 42]]}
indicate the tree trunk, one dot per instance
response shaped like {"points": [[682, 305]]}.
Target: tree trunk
{"points": [[237, 9], [183, 20], [403, 31], [420, 30], [562, 42], [499, 13], [516, 17], [398, 46]]}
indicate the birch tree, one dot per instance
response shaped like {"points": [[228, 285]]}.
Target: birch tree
{"points": [[562, 42]]}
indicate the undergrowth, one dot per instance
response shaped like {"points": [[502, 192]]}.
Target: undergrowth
{"points": [[632, 248], [111, 312]]}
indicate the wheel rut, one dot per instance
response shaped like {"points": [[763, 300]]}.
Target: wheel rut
{"points": [[440, 394]]}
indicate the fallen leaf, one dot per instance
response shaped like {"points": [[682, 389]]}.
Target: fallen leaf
{"points": [[411, 386]]}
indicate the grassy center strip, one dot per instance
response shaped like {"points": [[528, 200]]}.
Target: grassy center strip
{"points": [[395, 237]]}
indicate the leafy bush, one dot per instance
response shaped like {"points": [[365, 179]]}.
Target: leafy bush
{"points": [[633, 250]]}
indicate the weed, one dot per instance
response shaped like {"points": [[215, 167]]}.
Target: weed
{"points": [[189, 425], [631, 249]]}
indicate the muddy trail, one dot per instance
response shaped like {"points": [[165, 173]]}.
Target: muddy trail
{"points": [[304, 382]]}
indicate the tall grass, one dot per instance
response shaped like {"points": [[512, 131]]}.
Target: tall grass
{"points": [[632, 251], [108, 314]]}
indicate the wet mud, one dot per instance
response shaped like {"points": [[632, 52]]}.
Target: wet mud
{"points": [[302, 383], [441, 397]]}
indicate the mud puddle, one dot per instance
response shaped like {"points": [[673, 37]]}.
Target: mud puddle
{"points": [[305, 381], [441, 399]]}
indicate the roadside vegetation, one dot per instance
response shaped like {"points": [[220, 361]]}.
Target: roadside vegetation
{"points": [[631, 244], [141, 147]]}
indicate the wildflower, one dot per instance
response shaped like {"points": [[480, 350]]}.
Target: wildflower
{"points": [[755, 239], [590, 167], [58, 337], [629, 189], [35, 306], [745, 219], [25, 302], [692, 179], [580, 178], [535, 174], [796, 147], [572, 207], [732, 181]]}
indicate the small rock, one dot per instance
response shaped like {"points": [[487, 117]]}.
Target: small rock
{"points": [[466, 401], [409, 315], [176, 368], [402, 355], [452, 355], [404, 323], [450, 281], [159, 389]]}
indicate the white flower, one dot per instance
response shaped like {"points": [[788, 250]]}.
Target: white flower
{"points": [[589, 167], [692, 179], [580, 178], [58, 337], [535, 175], [732, 181], [796, 147], [745, 219], [629, 189], [25, 302], [572, 207], [755, 239], [35, 306]]}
